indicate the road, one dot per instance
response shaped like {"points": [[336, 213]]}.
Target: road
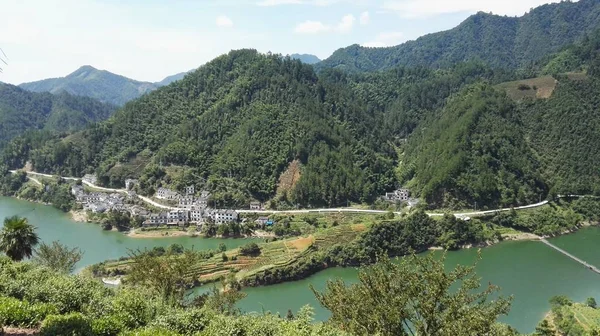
{"points": [[304, 211]]}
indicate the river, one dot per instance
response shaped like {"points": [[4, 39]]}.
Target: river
{"points": [[98, 245], [528, 270]]}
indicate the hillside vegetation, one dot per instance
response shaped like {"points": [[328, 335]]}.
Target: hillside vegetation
{"points": [[467, 136], [22, 111], [499, 41]]}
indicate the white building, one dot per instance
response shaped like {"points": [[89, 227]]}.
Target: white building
{"points": [[225, 216], [190, 190], [178, 217], [164, 193], [401, 195], [197, 215]]}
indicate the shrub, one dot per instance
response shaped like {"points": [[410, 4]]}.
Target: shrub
{"points": [[74, 324], [250, 249], [23, 314], [188, 322], [108, 326]]}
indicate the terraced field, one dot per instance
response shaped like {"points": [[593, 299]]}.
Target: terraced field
{"points": [[273, 255]]}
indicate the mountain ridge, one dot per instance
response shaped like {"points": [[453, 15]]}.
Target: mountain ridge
{"points": [[499, 41]]}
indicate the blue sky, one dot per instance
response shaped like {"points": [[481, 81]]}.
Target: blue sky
{"points": [[151, 39]]}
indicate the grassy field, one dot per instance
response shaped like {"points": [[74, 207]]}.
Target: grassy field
{"points": [[586, 316], [536, 88]]}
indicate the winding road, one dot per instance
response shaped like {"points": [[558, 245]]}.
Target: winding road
{"points": [[303, 211]]}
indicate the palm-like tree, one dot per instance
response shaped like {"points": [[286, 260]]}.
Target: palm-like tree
{"points": [[18, 238]]}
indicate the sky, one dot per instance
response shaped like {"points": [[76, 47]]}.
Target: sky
{"points": [[148, 40]]}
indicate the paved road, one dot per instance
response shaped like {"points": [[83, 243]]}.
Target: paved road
{"points": [[304, 211]]}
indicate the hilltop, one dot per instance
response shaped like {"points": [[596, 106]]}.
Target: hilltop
{"points": [[499, 41], [306, 58], [91, 82]]}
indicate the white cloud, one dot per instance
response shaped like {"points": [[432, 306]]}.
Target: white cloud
{"points": [[224, 21], [346, 24], [365, 18], [315, 27], [312, 27], [54, 41], [427, 8], [386, 39]]}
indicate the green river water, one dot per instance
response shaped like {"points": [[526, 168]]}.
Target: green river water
{"points": [[530, 271]]}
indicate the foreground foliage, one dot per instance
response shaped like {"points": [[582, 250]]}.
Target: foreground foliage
{"points": [[18, 238], [414, 297]]}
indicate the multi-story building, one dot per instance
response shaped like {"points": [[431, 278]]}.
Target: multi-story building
{"points": [[196, 215], [157, 219], [167, 194], [225, 216], [190, 190], [401, 195]]}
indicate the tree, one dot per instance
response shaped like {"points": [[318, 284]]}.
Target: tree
{"points": [[251, 249], [18, 238], [544, 329], [289, 315], [591, 302], [413, 297], [169, 275], [222, 247], [58, 257]]}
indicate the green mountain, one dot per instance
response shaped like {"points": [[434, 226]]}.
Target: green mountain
{"points": [[306, 58], [236, 123], [499, 41], [21, 111], [91, 82], [464, 136]]}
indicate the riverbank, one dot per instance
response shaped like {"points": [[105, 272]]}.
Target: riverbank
{"points": [[138, 233], [80, 216]]}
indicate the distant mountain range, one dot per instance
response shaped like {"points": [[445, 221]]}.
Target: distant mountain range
{"points": [[499, 41], [21, 111], [100, 84], [306, 58]]}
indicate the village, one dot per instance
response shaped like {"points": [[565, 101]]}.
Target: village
{"points": [[191, 207], [190, 210]]}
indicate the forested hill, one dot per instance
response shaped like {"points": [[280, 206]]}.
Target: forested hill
{"points": [[238, 122], [91, 82], [22, 110], [453, 136], [499, 41]]}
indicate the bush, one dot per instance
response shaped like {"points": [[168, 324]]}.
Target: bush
{"points": [[250, 249], [23, 314], [107, 326], [74, 324], [189, 322], [524, 87]]}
